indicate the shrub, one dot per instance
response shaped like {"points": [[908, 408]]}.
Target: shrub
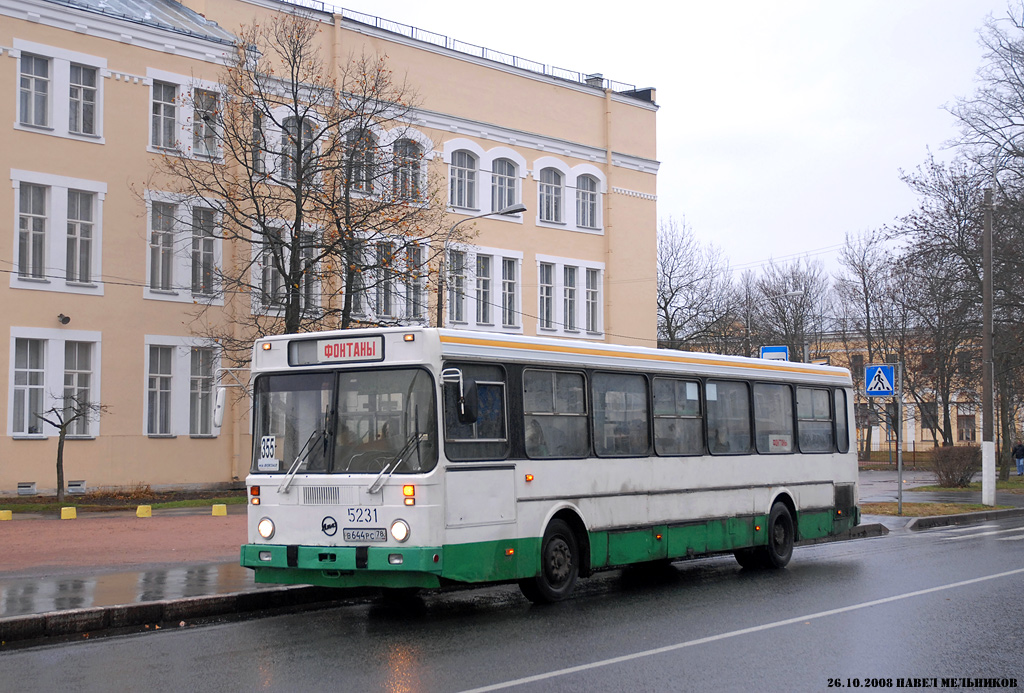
{"points": [[955, 466]]}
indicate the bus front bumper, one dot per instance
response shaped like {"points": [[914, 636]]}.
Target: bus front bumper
{"points": [[344, 566]]}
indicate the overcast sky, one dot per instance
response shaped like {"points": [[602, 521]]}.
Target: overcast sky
{"points": [[783, 125]]}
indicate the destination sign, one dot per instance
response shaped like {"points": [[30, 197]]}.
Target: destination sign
{"points": [[342, 350]]}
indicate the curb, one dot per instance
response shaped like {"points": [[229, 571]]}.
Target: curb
{"points": [[166, 613], [858, 532], [919, 523]]}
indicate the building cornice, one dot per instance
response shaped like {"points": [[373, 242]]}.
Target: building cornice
{"points": [[102, 26]]}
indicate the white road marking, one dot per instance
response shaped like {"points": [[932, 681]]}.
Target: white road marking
{"points": [[536, 678], [981, 534]]}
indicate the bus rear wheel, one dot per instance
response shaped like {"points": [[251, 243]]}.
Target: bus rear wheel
{"points": [[559, 566], [779, 549]]}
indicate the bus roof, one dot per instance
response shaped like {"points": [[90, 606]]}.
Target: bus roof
{"points": [[494, 346]]}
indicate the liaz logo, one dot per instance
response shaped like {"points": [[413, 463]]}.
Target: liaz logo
{"points": [[329, 526]]}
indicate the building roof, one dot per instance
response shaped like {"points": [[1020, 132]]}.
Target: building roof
{"points": [[162, 14]]}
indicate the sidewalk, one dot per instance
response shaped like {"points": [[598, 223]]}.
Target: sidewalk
{"points": [[114, 570]]}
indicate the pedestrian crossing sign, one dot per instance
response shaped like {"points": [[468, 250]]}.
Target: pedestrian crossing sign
{"points": [[879, 380]]}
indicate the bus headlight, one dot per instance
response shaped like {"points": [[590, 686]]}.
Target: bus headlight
{"points": [[400, 530], [265, 528]]}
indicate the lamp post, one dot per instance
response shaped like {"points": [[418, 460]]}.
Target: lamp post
{"points": [[511, 209]]}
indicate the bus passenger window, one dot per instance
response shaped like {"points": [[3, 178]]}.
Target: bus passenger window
{"points": [[620, 415], [554, 414], [487, 437], [728, 412], [773, 418], [842, 422], [814, 420], [678, 427]]}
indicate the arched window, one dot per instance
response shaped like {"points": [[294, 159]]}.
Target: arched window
{"points": [[586, 202], [407, 157], [296, 146], [503, 184], [550, 195], [463, 180], [362, 155]]}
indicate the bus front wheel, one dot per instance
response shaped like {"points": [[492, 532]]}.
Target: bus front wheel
{"points": [[559, 566], [779, 549]]}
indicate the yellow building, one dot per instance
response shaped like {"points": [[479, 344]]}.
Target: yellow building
{"points": [[101, 286]]}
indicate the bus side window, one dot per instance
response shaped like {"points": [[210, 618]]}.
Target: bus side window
{"points": [[773, 418], [486, 437], [554, 414], [814, 420], [842, 422], [728, 412], [620, 415], [678, 424]]}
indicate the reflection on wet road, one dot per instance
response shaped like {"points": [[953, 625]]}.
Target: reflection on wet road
{"points": [[22, 596]]}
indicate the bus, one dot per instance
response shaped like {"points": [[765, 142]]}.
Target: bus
{"points": [[417, 457]]}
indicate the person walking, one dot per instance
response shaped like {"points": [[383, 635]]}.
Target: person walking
{"points": [[1018, 455]]}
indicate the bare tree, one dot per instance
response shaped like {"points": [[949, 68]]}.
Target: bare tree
{"points": [[792, 307], [70, 412], [313, 178], [694, 287]]}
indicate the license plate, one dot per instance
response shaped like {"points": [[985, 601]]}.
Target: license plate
{"points": [[374, 534]]}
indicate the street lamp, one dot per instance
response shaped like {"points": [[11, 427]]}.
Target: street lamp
{"points": [[517, 208]]}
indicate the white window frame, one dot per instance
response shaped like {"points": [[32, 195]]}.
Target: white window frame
{"points": [[81, 381], [578, 325], [181, 250], [184, 116], [59, 98], [33, 85], [570, 294], [201, 390], [473, 315], [588, 208], [55, 242], [551, 196], [180, 383], [457, 280], [205, 123], [510, 293], [79, 101], [262, 269], [407, 156], [572, 219], [463, 174], [53, 374], [484, 297], [79, 238]]}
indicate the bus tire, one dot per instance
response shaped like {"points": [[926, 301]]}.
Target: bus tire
{"points": [[559, 566], [780, 537], [779, 549]]}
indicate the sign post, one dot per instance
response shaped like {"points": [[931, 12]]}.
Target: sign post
{"points": [[886, 380]]}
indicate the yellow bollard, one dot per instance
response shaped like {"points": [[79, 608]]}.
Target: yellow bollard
{"points": [[6, 515], [144, 511], [68, 513], [220, 510]]}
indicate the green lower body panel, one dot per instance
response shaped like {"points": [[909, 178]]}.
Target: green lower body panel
{"points": [[512, 559]]}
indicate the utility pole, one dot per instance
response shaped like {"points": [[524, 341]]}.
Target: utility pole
{"points": [[988, 445]]}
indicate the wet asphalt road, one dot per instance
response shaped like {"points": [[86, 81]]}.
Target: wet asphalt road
{"points": [[936, 604]]}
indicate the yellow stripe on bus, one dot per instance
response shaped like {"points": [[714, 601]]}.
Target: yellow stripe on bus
{"points": [[616, 354]]}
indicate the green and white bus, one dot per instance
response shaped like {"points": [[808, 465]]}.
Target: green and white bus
{"points": [[419, 457]]}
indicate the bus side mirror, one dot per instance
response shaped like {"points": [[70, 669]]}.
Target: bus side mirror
{"points": [[466, 398], [469, 404], [218, 406]]}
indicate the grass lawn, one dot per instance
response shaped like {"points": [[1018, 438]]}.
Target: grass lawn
{"points": [[1015, 484], [122, 500], [926, 509]]}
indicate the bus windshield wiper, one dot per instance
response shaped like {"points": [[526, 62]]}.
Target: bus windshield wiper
{"points": [[304, 452], [389, 469]]}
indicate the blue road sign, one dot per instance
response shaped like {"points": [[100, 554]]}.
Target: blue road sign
{"points": [[880, 381], [775, 353]]}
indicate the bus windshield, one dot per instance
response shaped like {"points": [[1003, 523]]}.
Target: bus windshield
{"points": [[348, 422]]}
